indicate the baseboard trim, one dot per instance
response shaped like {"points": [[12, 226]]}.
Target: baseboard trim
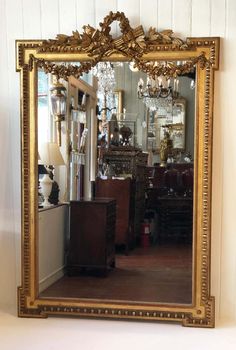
{"points": [[50, 279]]}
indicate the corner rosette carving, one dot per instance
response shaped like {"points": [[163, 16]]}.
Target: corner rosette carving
{"points": [[207, 321]]}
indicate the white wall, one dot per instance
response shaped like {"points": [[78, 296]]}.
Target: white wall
{"points": [[53, 223], [25, 19]]}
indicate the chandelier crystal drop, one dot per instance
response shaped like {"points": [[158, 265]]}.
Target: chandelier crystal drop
{"points": [[105, 74]]}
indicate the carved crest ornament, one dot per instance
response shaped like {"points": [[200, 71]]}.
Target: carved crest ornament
{"points": [[133, 44], [156, 53]]}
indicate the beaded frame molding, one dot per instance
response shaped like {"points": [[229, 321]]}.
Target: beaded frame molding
{"points": [[156, 53]]}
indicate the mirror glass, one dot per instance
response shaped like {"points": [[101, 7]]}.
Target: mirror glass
{"points": [[116, 171]]}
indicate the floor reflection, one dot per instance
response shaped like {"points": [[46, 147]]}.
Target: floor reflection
{"points": [[160, 273]]}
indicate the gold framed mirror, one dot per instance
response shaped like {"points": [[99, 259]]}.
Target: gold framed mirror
{"points": [[125, 166]]}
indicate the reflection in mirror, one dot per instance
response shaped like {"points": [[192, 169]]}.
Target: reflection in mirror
{"points": [[116, 165]]}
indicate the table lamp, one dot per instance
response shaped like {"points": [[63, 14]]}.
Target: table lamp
{"points": [[49, 155]]}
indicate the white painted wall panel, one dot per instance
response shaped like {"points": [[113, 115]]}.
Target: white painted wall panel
{"points": [[43, 18], [164, 18], [201, 18], [14, 28], [228, 262], [132, 10], [67, 16], [182, 17], [53, 224], [218, 17], [102, 8], [148, 13], [50, 18], [217, 192], [31, 19], [7, 239], [85, 13]]}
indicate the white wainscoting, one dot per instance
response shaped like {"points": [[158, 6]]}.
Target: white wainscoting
{"points": [[53, 235], [25, 19]]}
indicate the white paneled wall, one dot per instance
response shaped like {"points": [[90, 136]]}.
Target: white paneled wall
{"points": [[37, 19]]}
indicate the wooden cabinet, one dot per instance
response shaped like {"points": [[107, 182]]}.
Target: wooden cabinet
{"points": [[129, 161], [92, 235], [138, 193], [125, 160], [170, 195], [120, 190], [175, 216]]}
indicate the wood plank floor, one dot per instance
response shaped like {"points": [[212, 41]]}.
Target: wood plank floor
{"points": [[154, 274]]}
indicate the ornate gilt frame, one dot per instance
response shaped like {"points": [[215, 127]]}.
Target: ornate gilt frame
{"points": [[90, 47]]}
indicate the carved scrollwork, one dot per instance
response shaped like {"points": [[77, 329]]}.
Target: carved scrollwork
{"points": [[207, 321], [24, 311]]}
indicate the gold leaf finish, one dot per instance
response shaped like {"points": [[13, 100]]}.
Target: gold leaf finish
{"points": [[155, 53]]}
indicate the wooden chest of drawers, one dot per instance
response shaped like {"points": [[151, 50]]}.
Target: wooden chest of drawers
{"points": [[120, 190], [92, 235]]}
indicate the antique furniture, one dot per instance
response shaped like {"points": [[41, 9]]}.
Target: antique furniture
{"points": [[158, 175], [171, 216], [155, 53], [125, 160], [174, 218], [131, 161], [121, 191], [92, 236], [170, 196]]}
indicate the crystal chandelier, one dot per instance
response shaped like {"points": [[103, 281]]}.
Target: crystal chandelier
{"points": [[158, 92], [105, 74]]}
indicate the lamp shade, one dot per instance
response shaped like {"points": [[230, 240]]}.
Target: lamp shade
{"points": [[50, 154]]}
